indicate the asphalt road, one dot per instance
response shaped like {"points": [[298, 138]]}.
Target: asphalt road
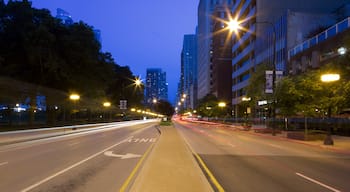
{"points": [[103, 160], [241, 161]]}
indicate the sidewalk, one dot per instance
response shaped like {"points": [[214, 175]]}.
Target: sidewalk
{"points": [[341, 143], [171, 167]]}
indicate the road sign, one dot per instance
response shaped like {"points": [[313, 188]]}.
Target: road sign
{"points": [[123, 104]]}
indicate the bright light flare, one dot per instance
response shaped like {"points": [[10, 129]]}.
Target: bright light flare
{"points": [[330, 77], [107, 104], [233, 25], [74, 97], [222, 104]]}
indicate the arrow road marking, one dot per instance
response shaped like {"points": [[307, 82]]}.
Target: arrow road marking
{"points": [[73, 166], [4, 163], [126, 156]]}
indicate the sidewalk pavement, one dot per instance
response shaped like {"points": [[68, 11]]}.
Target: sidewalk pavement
{"points": [[171, 167], [341, 143]]}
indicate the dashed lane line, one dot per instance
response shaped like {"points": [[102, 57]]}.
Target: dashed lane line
{"points": [[72, 166], [317, 182]]}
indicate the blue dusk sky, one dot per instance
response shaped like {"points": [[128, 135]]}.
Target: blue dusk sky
{"points": [[140, 34]]}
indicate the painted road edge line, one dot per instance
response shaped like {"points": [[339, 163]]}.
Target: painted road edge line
{"points": [[211, 176], [206, 169], [317, 182], [72, 166], [136, 168]]}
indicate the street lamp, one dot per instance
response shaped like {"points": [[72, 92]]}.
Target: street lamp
{"points": [[107, 105], [329, 78], [235, 25], [222, 104], [137, 81], [74, 97]]}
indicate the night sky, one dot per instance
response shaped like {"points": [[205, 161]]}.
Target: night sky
{"points": [[141, 34]]}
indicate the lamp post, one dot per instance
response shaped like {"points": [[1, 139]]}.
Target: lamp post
{"points": [[235, 25], [74, 97], [107, 105], [329, 78]]}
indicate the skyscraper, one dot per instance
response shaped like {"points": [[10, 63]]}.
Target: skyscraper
{"points": [[156, 85], [66, 19], [188, 81], [64, 16], [289, 21], [213, 66]]}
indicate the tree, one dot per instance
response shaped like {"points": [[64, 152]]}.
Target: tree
{"points": [[165, 108], [208, 107]]}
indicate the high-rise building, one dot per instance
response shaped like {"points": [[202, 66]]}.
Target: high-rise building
{"points": [[290, 21], [221, 55], [209, 64], [188, 80], [205, 9], [156, 85], [66, 19], [320, 49], [64, 16]]}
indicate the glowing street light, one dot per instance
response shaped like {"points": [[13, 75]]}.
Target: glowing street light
{"points": [[330, 78], [342, 51], [74, 97], [138, 81], [106, 104], [222, 104]]}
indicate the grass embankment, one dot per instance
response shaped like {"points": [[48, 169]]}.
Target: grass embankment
{"points": [[166, 123]]}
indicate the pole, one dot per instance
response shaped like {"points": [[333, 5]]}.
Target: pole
{"points": [[273, 81], [273, 106]]}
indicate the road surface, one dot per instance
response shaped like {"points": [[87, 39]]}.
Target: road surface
{"points": [[242, 161], [104, 160]]}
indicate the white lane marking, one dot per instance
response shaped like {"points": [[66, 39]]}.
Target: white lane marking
{"points": [[317, 182], [72, 144], [277, 146], [28, 144], [4, 163], [232, 145], [72, 166]]}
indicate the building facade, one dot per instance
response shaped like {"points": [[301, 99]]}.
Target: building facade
{"points": [[64, 16], [188, 78], [320, 49], [210, 63], [221, 55], [156, 85], [288, 21]]}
